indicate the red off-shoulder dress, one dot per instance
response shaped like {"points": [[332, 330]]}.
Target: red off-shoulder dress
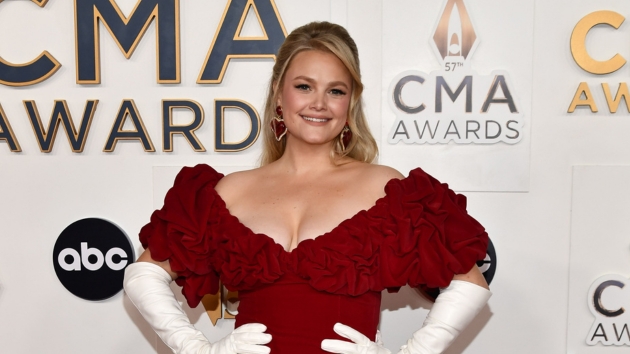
{"points": [[419, 234]]}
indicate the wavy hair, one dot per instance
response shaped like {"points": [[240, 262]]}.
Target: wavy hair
{"points": [[332, 38]]}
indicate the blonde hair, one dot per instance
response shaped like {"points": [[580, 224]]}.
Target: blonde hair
{"points": [[332, 38]]}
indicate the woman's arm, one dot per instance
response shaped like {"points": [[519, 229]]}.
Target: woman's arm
{"points": [[453, 310], [147, 283], [473, 276], [146, 257]]}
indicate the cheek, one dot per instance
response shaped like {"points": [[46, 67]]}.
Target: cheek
{"points": [[291, 99], [342, 106]]}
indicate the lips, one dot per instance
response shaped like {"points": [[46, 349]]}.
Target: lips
{"points": [[316, 120]]}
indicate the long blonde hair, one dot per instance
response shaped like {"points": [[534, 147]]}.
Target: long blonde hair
{"points": [[332, 38]]}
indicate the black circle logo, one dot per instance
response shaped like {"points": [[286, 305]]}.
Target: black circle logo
{"points": [[90, 256], [487, 266]]}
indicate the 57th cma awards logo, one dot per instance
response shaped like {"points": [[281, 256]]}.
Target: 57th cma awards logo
{"points": [[455, 103], [609, 302]]}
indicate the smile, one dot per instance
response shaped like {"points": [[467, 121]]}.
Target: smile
{"points": [[317, 120]]}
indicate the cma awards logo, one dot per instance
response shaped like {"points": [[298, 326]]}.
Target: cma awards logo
{"points": [[614, 96], [90, 257], [609, 302], [127, 31], [222, 305], [454, 103]]}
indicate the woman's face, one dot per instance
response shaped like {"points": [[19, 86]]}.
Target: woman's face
{"points": [[315, 97]]}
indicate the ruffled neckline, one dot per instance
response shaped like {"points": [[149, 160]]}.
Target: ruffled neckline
{"points": [[418, 233], [247, 231]]}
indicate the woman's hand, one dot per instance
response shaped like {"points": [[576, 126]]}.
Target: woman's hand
{"points": [[247, 339], [360, 344]]}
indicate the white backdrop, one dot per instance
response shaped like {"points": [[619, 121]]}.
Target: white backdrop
{"points": [[524, 198]]}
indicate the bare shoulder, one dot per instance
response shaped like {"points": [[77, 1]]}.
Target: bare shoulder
{"points": [[385, 172], [371, 179], [379, 175], [234, 183]]}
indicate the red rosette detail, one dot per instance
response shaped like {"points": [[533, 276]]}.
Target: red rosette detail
{"points": [[201, 240], [346, 260], [182, 232], [244, 259], [418, 234]]}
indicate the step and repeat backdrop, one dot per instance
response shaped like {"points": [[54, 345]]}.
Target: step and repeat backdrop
{"points": [[521, 105]]}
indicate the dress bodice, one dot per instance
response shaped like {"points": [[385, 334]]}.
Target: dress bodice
{"points": [[419, 234]]}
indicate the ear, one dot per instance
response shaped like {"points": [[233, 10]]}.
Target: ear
{"points": [[277, 93]]}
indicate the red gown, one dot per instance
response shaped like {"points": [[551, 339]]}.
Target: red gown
{"points": [[419, 234]]}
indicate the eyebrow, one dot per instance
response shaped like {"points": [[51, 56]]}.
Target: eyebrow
{"points": [[310, 80]]}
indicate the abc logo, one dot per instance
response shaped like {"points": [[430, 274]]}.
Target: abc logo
{"points": [[90, 256], [488, 266], [84, 258]]}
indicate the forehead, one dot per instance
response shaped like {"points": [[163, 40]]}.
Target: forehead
{"points": [[317, 65]]}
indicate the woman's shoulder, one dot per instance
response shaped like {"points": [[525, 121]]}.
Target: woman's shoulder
{"points": [[384, 172], [367, 181], [377, 175], [236, 183]]}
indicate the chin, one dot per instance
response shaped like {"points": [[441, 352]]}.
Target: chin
{"points": [[316, 140]]}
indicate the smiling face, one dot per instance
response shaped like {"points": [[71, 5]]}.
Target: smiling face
{"points": [[315, 97]]}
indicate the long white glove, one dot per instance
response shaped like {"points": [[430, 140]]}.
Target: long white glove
{"points": [[453, 310], [147, 285], [360, 344]]}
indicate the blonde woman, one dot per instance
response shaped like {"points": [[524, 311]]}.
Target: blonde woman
{"points": [[312, 237]]}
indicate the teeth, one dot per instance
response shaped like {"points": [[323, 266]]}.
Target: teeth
{"points": [[319, 120]]}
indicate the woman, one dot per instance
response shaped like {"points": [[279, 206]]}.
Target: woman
{"points": [[311, 238]]}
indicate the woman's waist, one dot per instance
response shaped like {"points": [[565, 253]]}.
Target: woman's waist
{"points": [[299, 317]]}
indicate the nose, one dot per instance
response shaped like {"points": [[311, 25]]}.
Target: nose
{"points": [[319, 101]]}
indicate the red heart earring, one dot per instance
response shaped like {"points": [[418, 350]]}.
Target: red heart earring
{"points": [[278, 127], [345, 137]]}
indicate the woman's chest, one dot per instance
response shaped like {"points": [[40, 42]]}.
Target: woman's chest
{"points": [[290, 214]]}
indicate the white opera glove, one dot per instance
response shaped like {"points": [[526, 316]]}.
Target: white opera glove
{"points": [[147, 286], [247, 339], [360, 344], [453, 310], [379, 340]]}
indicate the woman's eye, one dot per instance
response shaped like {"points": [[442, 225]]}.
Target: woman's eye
{"points": [[303, 87], [337, 92]]}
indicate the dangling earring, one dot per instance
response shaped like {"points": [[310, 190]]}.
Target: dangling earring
{"points": [[345, 137], [278, 127]]}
